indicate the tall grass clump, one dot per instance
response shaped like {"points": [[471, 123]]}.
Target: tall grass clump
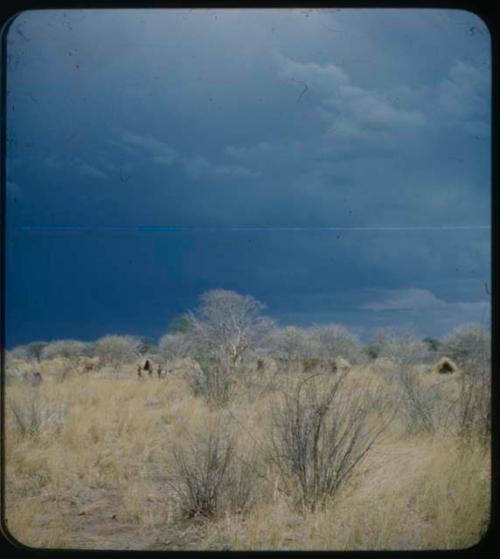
{"points": [[33, 415]]}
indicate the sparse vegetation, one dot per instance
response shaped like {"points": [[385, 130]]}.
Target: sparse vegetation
{"points": [[251, 439]]}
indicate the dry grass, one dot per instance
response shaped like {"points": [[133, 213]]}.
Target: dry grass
{"points": [[96, 470]]}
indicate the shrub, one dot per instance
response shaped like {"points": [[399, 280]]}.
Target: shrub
{"points": [[146, 345], [424, 408], [372, 350], [469, 345], [311, 363], [70, 349], [472, 409], [208, 479], [215, 381], [33, 415], [292, 345], [115, 350], [58, 368], [432, 408], [320, 432], [175, 346], [313, 346], [335, 341], [29, 352], [403, 349], [17, 368]]}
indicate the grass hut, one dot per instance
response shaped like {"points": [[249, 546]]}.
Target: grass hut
{"points": [[342, 364], [445, 366]]}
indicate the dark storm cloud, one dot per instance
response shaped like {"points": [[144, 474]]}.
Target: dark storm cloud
{"points": [[277, 118]]}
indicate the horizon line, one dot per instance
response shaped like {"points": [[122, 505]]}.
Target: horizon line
{"points": [[208, 229]]}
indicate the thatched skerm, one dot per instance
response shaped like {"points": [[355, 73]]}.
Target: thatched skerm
{"points": [[265, 363], [341, 364], [445, 366]]}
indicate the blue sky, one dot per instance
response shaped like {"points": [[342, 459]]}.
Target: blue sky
{"points": [[335, 164]]}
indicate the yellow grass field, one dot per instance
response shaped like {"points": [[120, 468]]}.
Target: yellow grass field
{"points": [[93, 470]]}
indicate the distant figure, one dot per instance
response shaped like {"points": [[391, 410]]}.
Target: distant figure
{"points": [[148, 367], [159, 371], [260, 364], [139, 371], [36, 379]]}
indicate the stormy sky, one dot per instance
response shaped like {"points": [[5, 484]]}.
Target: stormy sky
{"points": [[334, 164]]}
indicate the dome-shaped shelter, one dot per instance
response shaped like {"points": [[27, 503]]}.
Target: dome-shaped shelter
{"points": [[445, 366], [341, 364]]}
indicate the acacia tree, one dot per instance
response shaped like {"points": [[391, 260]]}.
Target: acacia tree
{"points": [[227, 325]]}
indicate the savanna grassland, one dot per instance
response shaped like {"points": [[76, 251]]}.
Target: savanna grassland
{"points": [[250, 437]]}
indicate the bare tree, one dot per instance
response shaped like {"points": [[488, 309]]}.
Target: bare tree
{"points": [[227, 325]]}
